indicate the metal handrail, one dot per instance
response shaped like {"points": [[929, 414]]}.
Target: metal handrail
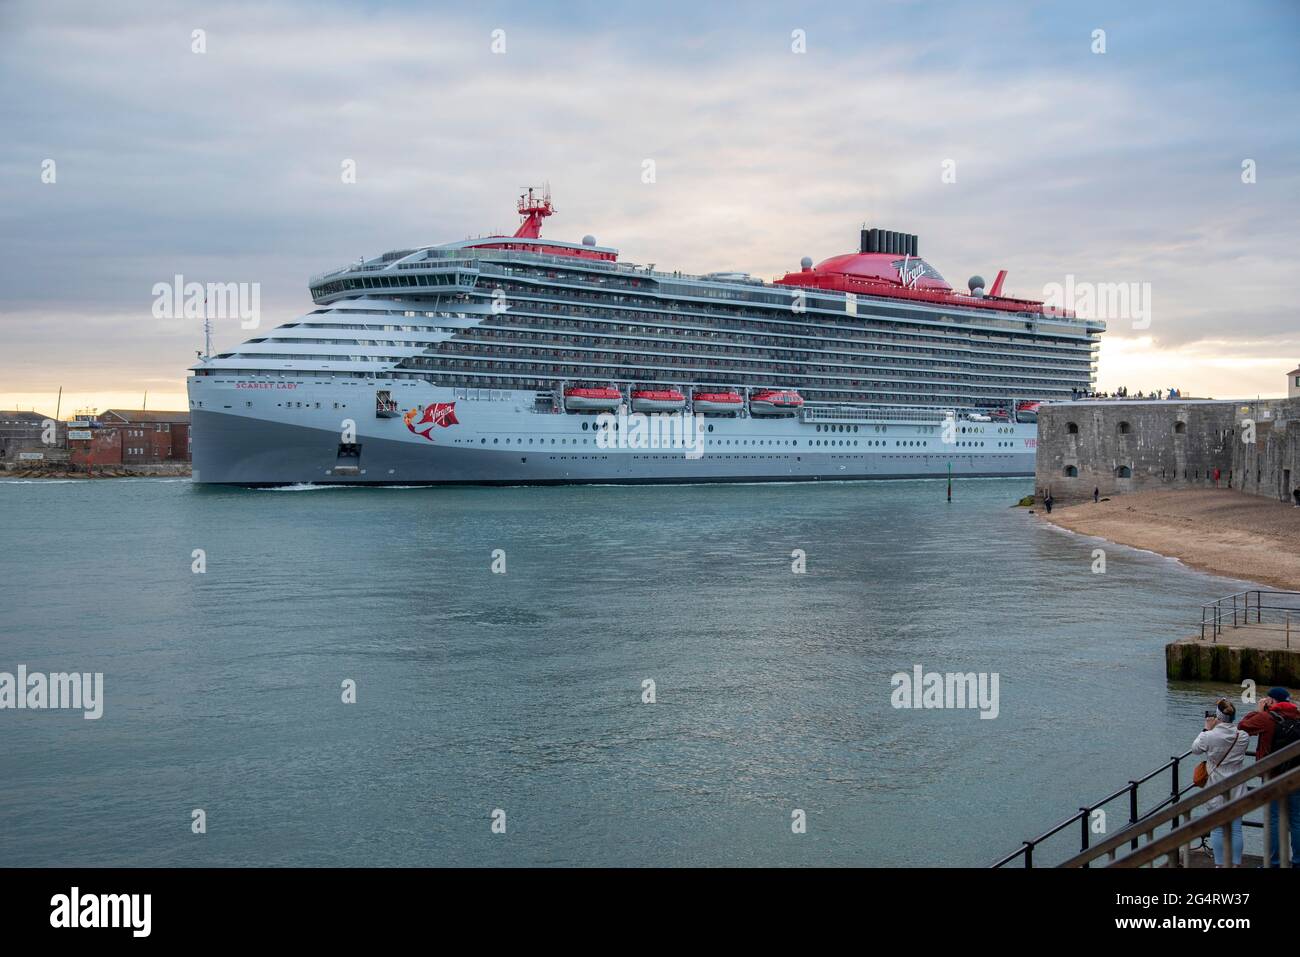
{"points": [[1179, 841], [1214, 613], [1081, 817], [1181, 835]]}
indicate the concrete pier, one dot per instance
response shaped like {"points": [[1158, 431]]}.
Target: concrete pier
{"points": [[1267, 653]]}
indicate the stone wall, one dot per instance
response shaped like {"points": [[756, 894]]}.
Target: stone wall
{"points": [[1118, 446], [1122, 446], [1269, 465]]}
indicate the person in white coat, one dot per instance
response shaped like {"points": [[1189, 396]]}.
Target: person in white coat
{"points": [[1224, 747]]}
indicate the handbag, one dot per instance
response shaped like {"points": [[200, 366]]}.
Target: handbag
{"points": [[1201, 774]]}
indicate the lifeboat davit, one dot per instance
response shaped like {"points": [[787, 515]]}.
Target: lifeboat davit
{"points": [[775, 402], [657, 400], [592, 400], [718, 403]]}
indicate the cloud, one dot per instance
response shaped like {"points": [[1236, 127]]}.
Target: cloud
{"points": [[225, 166]]}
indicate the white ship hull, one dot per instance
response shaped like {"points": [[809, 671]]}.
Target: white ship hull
{"points": [[278, 431]]}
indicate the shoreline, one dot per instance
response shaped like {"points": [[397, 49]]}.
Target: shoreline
{"points": [[96, 475], [1218, 531]]}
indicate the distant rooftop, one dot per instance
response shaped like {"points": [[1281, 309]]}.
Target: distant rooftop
{"points": [[16, 415], [143, 416]]}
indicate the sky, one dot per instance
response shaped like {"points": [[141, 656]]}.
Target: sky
{"points": [[999, 132]]}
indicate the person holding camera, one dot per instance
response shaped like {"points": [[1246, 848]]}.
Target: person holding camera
{"points": [[1224, 748]]}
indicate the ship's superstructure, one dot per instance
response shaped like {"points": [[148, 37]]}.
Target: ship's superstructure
{"points": [[509, 358]]}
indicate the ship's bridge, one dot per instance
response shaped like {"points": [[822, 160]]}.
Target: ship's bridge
{"points": [[587, 249]]}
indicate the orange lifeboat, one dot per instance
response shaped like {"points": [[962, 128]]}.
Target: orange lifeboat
{"points": [[718, 403], [592, 400], [657, 400], [775, 402]]}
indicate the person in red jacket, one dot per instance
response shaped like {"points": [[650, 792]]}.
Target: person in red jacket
{"points": [[1274, 707]]}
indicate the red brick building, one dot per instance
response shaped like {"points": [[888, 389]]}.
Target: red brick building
{"points": [[132, 437]]}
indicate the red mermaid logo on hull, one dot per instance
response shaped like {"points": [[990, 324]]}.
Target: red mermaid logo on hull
{"points": [[421, 421]]}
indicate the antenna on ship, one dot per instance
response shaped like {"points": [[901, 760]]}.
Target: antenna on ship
{"points": [[534, 209]]}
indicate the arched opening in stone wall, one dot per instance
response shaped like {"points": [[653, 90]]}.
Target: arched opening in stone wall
{"points": [[1123, 472], [1072, 428], [1125, 428], [1071, 471], [1180, 428]]}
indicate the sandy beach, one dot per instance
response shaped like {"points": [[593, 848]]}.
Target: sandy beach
{"points": [[1216, 530]]}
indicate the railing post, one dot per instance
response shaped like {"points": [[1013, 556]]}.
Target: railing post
{"points": [[1083, 829], [1133, 809], [1284, 832], [1029, 854], [1268, 830]]}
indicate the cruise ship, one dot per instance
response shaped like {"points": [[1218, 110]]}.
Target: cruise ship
{"points": [[523, 360]]}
